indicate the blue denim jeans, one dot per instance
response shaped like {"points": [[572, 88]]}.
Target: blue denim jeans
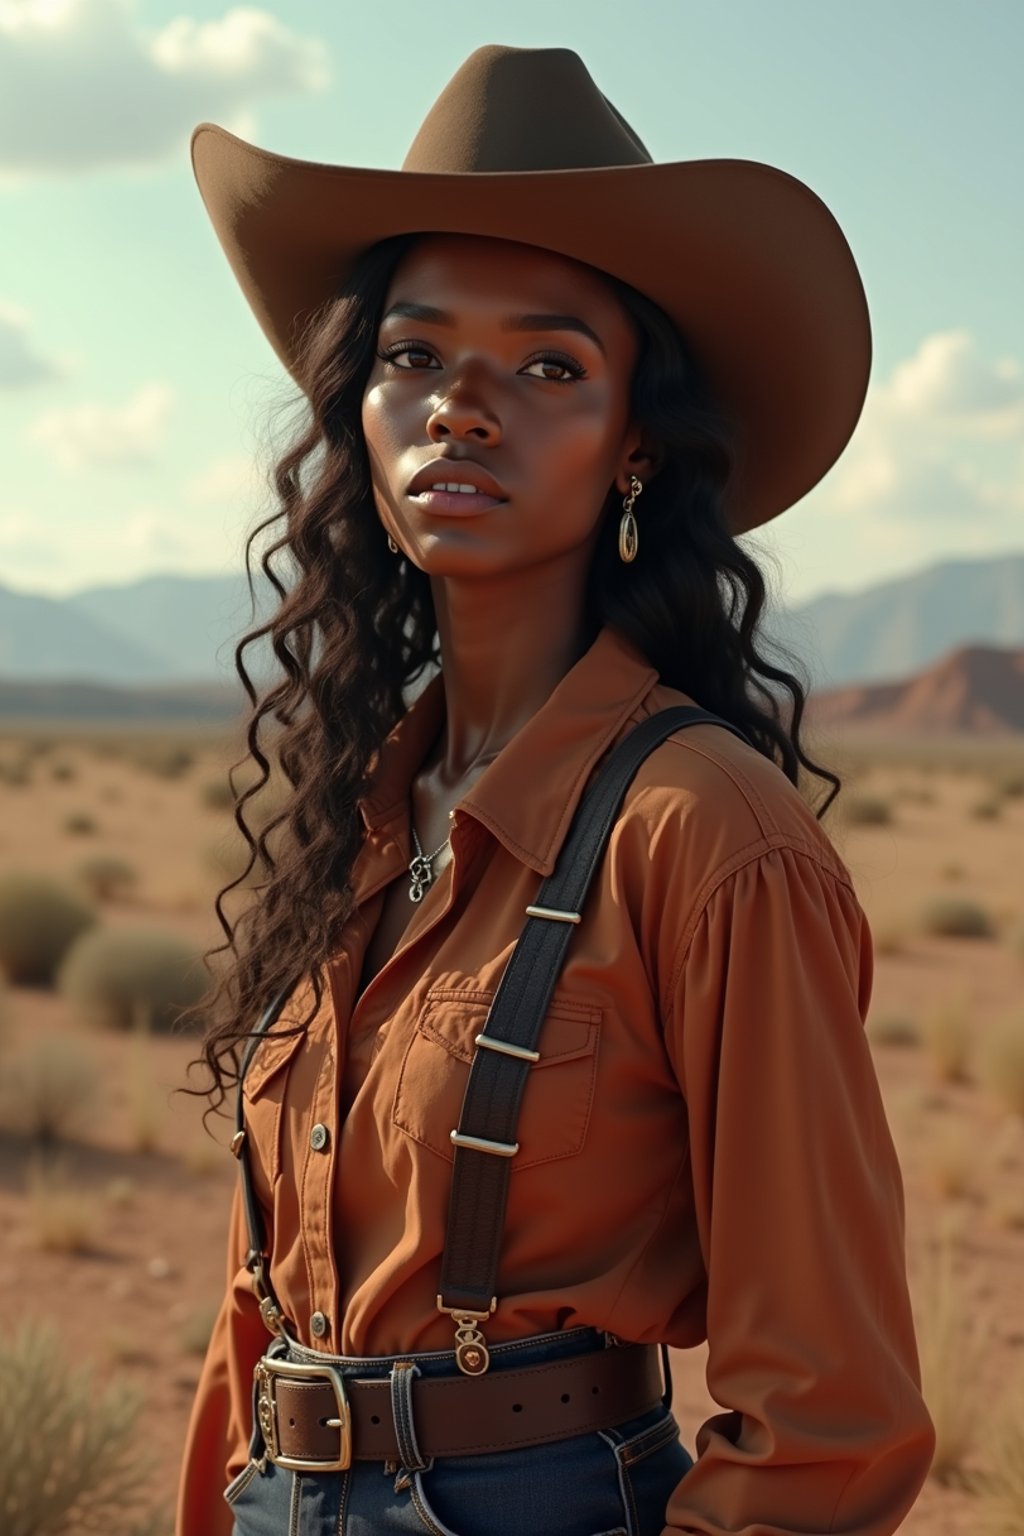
{"points": [[610, 1482]]}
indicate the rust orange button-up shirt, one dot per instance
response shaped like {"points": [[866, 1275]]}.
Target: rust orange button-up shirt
{"points": [[703, 1066]]}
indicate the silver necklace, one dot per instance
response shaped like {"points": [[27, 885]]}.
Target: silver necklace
{"points": [[421, 868]]}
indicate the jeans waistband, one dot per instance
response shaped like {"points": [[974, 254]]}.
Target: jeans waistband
{"points": [[530, 1350]]}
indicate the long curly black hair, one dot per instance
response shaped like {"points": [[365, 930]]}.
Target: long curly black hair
{"points": [[355, 627]]}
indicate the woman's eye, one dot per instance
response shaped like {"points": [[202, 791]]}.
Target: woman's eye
{"points": [[560, 370], [419, 357]]}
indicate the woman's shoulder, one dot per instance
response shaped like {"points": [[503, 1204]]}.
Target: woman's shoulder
{"points": [[707, 795]]}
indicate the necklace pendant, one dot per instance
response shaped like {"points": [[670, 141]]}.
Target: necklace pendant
{"points": [[421, 874]]}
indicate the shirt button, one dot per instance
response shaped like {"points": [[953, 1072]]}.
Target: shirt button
{"points": [[319, 1136], [318, 1325]]}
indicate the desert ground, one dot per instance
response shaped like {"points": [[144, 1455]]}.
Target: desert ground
{"points": [[113, 1198]]}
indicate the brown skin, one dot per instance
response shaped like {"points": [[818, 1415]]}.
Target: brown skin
{"points": [[507, 582]]}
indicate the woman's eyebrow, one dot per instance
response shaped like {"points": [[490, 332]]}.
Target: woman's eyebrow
{"points": [[428, 315]]}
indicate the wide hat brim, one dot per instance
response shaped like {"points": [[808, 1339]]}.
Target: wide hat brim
{"points": [[746, 260]]}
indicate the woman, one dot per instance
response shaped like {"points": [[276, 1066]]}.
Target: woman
{"points": [[504, 346]]}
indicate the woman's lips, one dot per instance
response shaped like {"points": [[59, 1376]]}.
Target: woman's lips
{"points": [[456, 503]]}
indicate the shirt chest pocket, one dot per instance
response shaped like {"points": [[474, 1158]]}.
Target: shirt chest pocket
{"points": [[559, 1092], [263, 1089]]}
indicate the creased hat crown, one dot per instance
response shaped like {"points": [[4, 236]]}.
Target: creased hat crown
{"points": [[522, 109]]}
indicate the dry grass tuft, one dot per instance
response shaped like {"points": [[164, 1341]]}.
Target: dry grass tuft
{"points": [[63, 1216], [948, 1037], [71, 1463], [1000, 1488], [49, 1091], [80, 824], [1002, 1063], [953, 1338], [952, 1163]]}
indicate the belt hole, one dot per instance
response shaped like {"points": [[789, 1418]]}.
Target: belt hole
{"points": [[291, 1423], [517, 1407], [565, 1397], [374, 1418]]}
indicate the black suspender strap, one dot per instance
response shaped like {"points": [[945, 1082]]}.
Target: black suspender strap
{"points": [[257, 1260], [485, 1138]]}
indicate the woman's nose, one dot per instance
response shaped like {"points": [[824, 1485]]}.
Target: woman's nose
{"points": [[463, 412]]}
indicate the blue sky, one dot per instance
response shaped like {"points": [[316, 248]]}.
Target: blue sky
{"points": [[136, 387]]}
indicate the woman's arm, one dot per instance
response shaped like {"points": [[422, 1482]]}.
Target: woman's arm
{"points": [[800, 1210], [217, 1441]]}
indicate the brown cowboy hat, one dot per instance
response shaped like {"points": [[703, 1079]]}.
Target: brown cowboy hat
{"points": [[521, 145]]}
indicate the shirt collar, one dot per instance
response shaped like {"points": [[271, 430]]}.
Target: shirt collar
{"points": [[527, 796]]}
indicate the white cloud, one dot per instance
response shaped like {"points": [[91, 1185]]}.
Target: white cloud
{"points": [[935, 442], [935, 470], [84, 86], [231, 481], [93, 435], [21, 364]]}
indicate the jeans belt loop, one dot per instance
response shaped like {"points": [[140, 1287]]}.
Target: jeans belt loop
{"points": [[402, 1373]]}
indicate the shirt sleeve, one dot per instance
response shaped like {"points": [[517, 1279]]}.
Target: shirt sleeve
{"points": [[220, 1425], [800, 1210]]}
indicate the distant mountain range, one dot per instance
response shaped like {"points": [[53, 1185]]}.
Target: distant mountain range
{"points": [[163, 647], [977, 690]]}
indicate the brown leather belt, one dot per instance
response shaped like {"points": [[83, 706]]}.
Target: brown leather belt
{"points": [[313, 1419]]}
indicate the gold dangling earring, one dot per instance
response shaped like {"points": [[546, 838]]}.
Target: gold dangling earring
{"points": [[628, 537], [392, 545]]}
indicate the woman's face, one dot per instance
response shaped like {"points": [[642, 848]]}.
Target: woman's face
{"points": [[505, 368]]}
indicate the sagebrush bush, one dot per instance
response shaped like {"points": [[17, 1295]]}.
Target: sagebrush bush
{"points": [[217, 795], [119, 977], [80, 823], [165, 762], [956, 917], [39, 921], [71, 1462], [867, 811], [106, 877], [49, 1090]]}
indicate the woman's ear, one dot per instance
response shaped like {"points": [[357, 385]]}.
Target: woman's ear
{"points": [[644, 461]]}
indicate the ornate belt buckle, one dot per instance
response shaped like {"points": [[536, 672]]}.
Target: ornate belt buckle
{"points": [[265, 1371]]}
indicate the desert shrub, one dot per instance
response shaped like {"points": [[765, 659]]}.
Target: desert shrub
{"points": [[49, 1090], [71, 1463], [63, 771], [947, 1032], [106, 877], [217, 795], [165, 762], [868, 811], [990, 808], [39, 921], [80, 823], [63, 1216], [956, 917], [1000, 1486], [953, 1339], [116, 977], [15, 775], [194, 1336], [893, 1029], [1003, 1063], [1009, 785]]}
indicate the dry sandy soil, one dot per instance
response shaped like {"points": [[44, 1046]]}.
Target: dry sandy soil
{"points": [[139, 1303]]}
